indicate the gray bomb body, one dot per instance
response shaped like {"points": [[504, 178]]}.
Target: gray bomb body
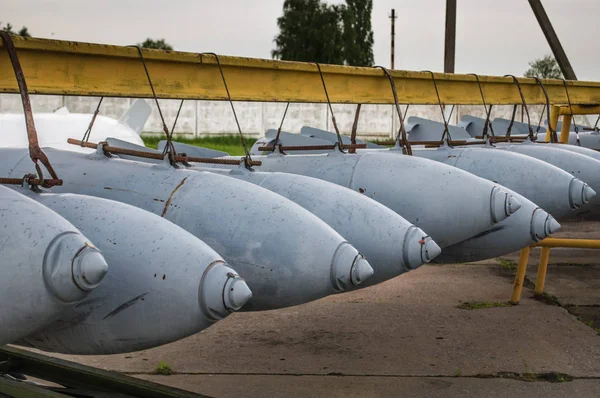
{"points": [[164, 284], [287, 255], [527, 226], [390, 243], [431, 195], [551, 188], [47, 265], [583, 167]]}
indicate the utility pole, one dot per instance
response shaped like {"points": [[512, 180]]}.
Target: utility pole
{"points": [[450, 39], [393, 44], [552, 38], [393, 18]]}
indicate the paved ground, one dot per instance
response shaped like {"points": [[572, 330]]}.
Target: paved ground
{"points": [[404, 337]]}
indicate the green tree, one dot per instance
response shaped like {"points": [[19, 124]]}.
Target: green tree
{"points": [[9, 28], [159, 44], [544, 68], [310, 31], [358, 35]]}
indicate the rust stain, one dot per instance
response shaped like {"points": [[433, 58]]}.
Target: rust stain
{"points": [[171, 197]]}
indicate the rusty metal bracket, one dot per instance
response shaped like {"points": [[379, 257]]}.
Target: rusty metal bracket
{"points": [[532, 137], [35, 152], [148, 155], [312, 147]]}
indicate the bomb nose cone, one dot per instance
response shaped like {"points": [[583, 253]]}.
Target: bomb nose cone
{"points": [[222, 291], [430, 250], [361, 270], [419, 248], [543, 225], [588, 193], [72, 267], [236, 293], [552, 225], [580, 193], [89, 268], [348, 267], [502, 204], [512, 204]]}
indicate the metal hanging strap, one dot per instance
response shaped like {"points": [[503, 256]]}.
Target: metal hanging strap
{"points": [[572, 114], [401, 138], [88, 132], [551, 130], [446, 135], [35, 152], [518, 84], [276, 142], [237, 122], [487, 124], [337, 131]]}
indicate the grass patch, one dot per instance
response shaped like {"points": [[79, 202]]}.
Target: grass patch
{"points": [[226, 143], [479, 305], [163, 369], [508, 265]]}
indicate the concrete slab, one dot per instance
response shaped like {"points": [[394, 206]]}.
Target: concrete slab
{"points": [[409, 326], [339, 386]]}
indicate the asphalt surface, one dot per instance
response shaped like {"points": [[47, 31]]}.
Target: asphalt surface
{"points": [[406, 337]]}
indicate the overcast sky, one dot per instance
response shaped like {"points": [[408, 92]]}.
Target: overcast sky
{"points": [[493, 37]]}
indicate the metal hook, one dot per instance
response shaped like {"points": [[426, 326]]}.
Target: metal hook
{"points": [[446, 135], [401, 138], [248, 160], [337, 131]]}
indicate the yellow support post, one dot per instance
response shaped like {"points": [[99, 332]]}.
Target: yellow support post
{"points": [[555, 112], [542, 268], [566, 129], [520, 277]]}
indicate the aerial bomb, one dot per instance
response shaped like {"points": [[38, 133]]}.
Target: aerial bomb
{"points": [[47, 265], [529, 225], [551, 188], [448, 203], [392, 245], [286, 254], [583, 167], [164, 284]]}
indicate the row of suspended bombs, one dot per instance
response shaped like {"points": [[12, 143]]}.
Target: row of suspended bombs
{"points": [[154, 251]]}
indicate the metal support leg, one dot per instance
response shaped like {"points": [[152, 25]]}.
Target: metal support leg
{"points": [[553, 122], [566, 129], [542, 267], [520, 277]]}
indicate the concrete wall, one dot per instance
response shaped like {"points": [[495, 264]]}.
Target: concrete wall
{"points": [[199, 118]]}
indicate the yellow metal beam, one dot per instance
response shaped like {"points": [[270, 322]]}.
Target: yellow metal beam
{"points": [[574, 243], [592, 109], [72, 68]]}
